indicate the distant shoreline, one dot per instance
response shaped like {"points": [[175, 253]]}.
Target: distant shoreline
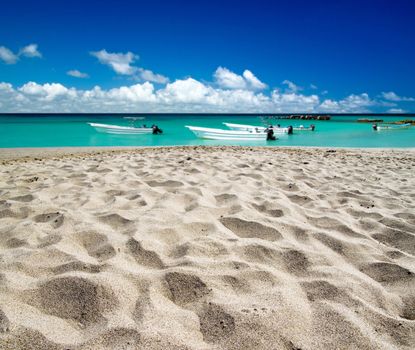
{"points": [[215, 114]]}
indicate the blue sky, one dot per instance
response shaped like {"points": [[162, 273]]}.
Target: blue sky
{"points": [[192, 55]]}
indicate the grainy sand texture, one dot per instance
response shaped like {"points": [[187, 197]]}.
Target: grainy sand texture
{"points": [[208, 248]]}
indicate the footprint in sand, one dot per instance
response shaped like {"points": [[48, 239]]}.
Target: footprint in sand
{"points": [[321, 290], [114, 220], [115, 193], [250, 229], [4, 322], [215, 323], [16, 243], [73, 298], [7, 213], [262, 208], [143, 256], [26, 198], [333, 243], [409, 307], [185, 288], [225, 198], [55, 219], [300, 200], [398, 239], [168, 183], [295, 261], [388, 273], [97, 245]]}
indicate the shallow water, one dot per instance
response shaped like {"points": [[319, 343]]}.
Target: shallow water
{"points": [[73, 130]]}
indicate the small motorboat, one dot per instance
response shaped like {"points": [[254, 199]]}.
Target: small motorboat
{"points": [[312, 127], [242, 127], [125, 130], [220, 134], [387, 127]]}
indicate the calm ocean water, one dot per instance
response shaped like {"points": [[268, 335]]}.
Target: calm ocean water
{"points": [[58, 131]]}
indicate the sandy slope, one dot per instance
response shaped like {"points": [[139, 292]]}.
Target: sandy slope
{"points": [[208, 248]]}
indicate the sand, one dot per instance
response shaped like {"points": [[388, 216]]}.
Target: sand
{"points": [[207, 248]]}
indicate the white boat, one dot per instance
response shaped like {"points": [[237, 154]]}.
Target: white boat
{"points": [[242, 127], [304, 128], [220, 134], [116, 129], [391, 127]]}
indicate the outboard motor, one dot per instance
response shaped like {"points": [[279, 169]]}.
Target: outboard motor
{"points": [[156, 130], [313, 127], [270, 135], [375, 127], [290, 130]]}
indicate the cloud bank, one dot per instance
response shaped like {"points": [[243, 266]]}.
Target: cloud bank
{"points": [[181, 95]]}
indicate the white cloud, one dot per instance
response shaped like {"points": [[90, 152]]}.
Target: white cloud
{"points": [[119, 62], [7, 56], [351, 104], [314, 87], [135, 93], [6, 87], [229, 80], [47, 92], [184, 91], [396, 110], [30, 51], [148, 75], [391, 96], [295, 102], [122, 63], [291, 86], [253, 81], [77, 74]]}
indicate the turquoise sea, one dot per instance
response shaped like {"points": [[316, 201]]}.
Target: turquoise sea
{"points": [[73, 130]]}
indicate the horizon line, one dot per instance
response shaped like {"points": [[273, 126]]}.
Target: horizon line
{"points": [[207, 114]]}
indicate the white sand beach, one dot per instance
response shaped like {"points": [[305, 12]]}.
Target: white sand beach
{"points": [[207, 248]]}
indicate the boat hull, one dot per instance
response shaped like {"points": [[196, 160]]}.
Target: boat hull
{"points": [[242, 127], [299, 128], [232, 135], [393, 127], [120, 130]]}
